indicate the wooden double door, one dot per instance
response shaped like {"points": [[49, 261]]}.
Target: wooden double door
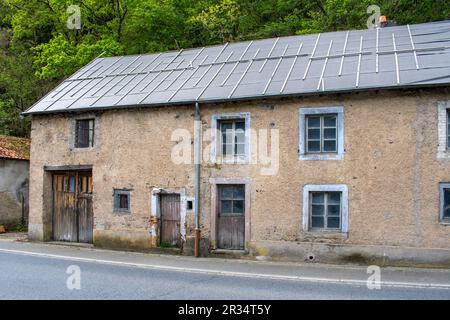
{"points": [[73, 217]]}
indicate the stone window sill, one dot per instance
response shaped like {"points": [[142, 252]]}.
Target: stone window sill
{"points": [[445, 155], [124, 212], [319, 157], [231, 161], [82, 149]]}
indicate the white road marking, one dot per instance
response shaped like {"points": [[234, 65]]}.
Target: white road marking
{"points": [[232, 273]]}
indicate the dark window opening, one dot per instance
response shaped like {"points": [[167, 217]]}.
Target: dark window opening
{"points": [[71, 186], [84, 133], [190, 205], [446, 209], [448, 129], [121, 200]]}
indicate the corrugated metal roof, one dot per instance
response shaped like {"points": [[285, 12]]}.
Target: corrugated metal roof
{"points": [[14, 148], [401, 56]]}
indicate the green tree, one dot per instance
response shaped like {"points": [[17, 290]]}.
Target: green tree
{"points": [[19, 89], [61, 57], [37, 50], [219, 23], [154, 25]]}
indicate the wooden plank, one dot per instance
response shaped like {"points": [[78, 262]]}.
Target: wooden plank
{"points": [[170, 219], [85, 218], [230, 226], [85, 208], [65, 213], [231, 232]]}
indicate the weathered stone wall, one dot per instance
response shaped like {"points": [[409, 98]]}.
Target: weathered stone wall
{"points": [[13, 186], [390, 166]]}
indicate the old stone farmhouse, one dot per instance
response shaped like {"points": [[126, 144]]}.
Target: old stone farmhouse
{"points": [[324, 147]]}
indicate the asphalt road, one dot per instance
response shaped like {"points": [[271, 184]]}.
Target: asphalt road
{"points": [[24, 276]]}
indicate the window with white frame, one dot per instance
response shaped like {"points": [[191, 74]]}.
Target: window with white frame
{"points": [[321, 133], [443, 130], [325, 208], [448, 129], [444, 214], [230, 137]]}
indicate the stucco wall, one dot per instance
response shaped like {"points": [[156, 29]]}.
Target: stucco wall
{"points": [[390, 166], [13, 185]]}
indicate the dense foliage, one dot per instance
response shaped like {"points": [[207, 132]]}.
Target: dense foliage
{"points": [[38, 50]]}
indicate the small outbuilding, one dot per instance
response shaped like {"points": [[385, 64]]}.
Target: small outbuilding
{"points": [[14, 173]]}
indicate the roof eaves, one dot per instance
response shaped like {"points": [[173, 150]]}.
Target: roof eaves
{"points": [[244, 98]]}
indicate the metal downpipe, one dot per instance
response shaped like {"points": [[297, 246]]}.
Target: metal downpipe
{"points": [[197, 162]]}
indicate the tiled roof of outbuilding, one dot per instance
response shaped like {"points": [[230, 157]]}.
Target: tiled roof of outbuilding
{"points": [[14, 148]]}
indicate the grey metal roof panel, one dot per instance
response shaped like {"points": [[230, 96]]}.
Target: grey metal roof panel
{"points": [[399, 56]]}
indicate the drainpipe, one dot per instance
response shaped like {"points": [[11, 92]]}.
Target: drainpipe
{"points": [[197, 162], [23, 210]]}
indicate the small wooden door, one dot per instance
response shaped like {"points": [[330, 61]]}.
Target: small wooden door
{"points": [[231, 217], [170, 219], [72, 207], [85, 210], [64, 208]]}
